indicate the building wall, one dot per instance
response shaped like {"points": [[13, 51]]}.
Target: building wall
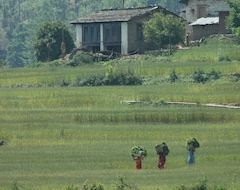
{"points": [[133, 42], [200, 31], [222, 21], [193, 9]]}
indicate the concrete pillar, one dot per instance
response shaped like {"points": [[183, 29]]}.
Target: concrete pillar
{"points": [[124, 37], [101, 37], [79, 36]]}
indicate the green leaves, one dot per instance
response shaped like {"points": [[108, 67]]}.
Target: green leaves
{"points": [[50, 37], [233, 20], [138, 151], [164, 29]]}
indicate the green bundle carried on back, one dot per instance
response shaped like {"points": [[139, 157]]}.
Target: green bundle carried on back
{"points": [[138, 151], [193, 143], [162, 148]]}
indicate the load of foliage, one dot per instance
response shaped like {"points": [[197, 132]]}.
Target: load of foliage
{"points": [[138, 151], [162, 148], [193, 143]]}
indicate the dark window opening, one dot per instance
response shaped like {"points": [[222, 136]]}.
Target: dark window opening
{"points": [[114, 48], [91, 33], [140, 32], [112, 32]]}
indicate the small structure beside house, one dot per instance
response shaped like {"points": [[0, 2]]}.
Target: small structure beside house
{"points": [[118, 30], [204, 26], [205, 17]]}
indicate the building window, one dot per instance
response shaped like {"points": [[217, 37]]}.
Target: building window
{"points": [[91, 33], [202, 12], [140, 31], [112, 32]]}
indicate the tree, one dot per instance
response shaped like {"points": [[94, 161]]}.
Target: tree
{"points": [[17, 50], [233, 20], [163, 29], [53, 40]]}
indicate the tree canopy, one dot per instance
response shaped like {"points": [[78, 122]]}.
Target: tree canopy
{"points": [[233, 20], [164, 29], [53, 40]]}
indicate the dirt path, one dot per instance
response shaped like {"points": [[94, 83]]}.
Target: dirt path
{"points": [[132, 102]]}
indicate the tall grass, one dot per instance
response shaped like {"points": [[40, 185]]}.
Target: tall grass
{"points": [[59, 137]]}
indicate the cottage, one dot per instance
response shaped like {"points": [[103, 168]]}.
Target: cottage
{"points": [[119, 30], [204, 26], [206, 17]]}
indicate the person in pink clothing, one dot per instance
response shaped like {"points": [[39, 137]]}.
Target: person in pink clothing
{"points": [[138, 162], [162, 160]]}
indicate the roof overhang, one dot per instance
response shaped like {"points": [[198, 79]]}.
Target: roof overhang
{"points": [[119, 15], [205, 21]]}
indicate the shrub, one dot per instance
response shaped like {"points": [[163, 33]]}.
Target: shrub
{"points": [[118, 76], [200, 76], [81, 59], [87, 186], [122, 185], [91, 81], [2, 63], [173, 77], [224, 58], [214, 75], [15, 185]]}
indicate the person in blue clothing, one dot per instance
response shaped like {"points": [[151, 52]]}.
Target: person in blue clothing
{"points": [[192, 144], [191, 158]]}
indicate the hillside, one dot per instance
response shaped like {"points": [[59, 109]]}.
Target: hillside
{"points": [[31, 15], [57, 133]]}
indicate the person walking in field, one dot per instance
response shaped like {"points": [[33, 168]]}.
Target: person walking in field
{"points": [[138, 161], [138, 153], [191, 158], [162, 160], [162, 150], [192, 144]]}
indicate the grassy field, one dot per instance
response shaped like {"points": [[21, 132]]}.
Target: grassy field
{"points": [[60, 137]]}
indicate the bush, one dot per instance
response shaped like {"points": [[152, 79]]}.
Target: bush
{"points": [[2, 63], [118, 76], [200, 76], [48, 44], [224, 58], [173, 77], [87, 186], [81, 59], [91, 81], [122, 185]]}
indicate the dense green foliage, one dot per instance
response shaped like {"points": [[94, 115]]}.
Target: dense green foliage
{"points": [[18, 47], [164, 29], [53, 40], [234, 17]]}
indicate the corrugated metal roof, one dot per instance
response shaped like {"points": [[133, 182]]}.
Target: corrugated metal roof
{"points": [[205, 21], [117, 15]]}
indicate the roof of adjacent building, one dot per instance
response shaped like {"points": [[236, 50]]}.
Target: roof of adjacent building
{"points": [[205, 21], [118, 15], [221, 4]]}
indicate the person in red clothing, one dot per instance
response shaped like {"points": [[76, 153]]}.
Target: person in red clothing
{"points": [[162, 150], [162, 160], [138, 162]]}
